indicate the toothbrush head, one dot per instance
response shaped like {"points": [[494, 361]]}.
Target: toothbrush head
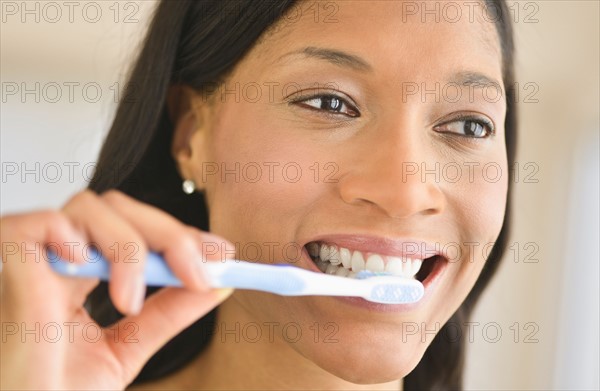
{"points": [[389, 289], [392, 293]]}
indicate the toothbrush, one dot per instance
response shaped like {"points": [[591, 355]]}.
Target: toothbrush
{"points": [[281, 279]]}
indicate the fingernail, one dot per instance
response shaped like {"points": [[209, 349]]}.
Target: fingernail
{"points": [[223, 293], [202, 275], [79, 240], [229, 251], [217, 248], [137, 293], [78, 236]]}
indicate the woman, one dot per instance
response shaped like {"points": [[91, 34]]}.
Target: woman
{"points": [[358, 128]]}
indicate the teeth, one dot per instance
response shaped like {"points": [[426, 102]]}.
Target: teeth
{"points": [[342, 271], [406, 267], [331, 269], [322, 265], [346, 257], [313, 249], [375, 263], [324, 253], [340, 261], [334, 256], [416, 266], [358, 262], [394, 266]]}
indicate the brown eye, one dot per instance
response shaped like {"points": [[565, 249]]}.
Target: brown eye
{"points": [[329, 103], [474, 128]]}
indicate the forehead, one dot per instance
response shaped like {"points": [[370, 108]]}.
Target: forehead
{"points": [[412, 39]]}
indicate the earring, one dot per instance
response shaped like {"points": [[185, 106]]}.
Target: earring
{"points": [[188, 186]]}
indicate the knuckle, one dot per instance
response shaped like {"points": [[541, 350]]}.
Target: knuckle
{"points": [[131, 251], [53, 217], [183, 240], [216, 240], [193, 232], [84, 197], [113, 196], [18, 226]]}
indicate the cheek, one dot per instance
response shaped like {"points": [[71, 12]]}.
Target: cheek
{"points": [[483, 201], [477, 205], [264, 178], [475, 185]]}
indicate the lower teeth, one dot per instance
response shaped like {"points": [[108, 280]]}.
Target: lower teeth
{"points": [[338, 270]]}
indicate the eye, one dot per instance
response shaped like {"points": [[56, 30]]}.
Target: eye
{"points": [[468, 127], [330, 103]]}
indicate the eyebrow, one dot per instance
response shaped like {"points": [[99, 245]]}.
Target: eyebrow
{"points": [[475, 80], [335, 57], [339, 58]]}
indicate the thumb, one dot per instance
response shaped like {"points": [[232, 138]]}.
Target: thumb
{"points": [[165, 314]]}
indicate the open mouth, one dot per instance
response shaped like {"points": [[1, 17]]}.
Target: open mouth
{"points": [[345, 262]]}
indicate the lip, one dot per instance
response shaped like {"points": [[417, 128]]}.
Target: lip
{"points": [[405, 247], [382, 246]]}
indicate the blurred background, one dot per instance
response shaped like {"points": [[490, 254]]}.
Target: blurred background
{"points": [[537, 326]]}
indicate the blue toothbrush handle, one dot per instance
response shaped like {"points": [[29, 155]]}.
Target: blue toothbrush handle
{"points": [[156, 271], [282, 279], [233, 273]]}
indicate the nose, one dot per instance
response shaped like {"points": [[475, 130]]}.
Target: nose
{"points": [[397, 174]]}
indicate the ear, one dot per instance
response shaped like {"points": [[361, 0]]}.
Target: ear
{"points": [[188, 114]]}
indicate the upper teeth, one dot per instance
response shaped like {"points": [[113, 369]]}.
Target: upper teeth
{"points": [[345, 262]]}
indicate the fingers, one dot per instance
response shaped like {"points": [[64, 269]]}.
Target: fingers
{"points": [[26, 276], [39, 228], [165, 314], [181, 245], [119, 242], [123, 230]]}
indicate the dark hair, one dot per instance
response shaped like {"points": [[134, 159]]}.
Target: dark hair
{"points": [[197, 43]]}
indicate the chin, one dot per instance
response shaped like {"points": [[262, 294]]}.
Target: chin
{"points": [[362, 359], [374, 373]]}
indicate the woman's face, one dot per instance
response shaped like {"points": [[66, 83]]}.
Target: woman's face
{"points": [[376, 133]]}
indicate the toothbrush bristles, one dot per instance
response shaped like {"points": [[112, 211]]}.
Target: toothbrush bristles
{"points": [[363, 274]]}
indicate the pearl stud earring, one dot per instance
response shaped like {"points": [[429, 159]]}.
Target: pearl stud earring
{"points": [[188, 186]]}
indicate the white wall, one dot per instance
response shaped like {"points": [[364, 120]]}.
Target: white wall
{"points": [[73, 59], [556, 298]]}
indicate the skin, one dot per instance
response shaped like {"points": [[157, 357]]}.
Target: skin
{"points": [[369, 197], [33, 297]]}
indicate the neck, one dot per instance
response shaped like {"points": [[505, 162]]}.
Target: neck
{"points": [[237, 359]]}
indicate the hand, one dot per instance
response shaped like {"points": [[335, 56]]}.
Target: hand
{"points": [[48, 339]]}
